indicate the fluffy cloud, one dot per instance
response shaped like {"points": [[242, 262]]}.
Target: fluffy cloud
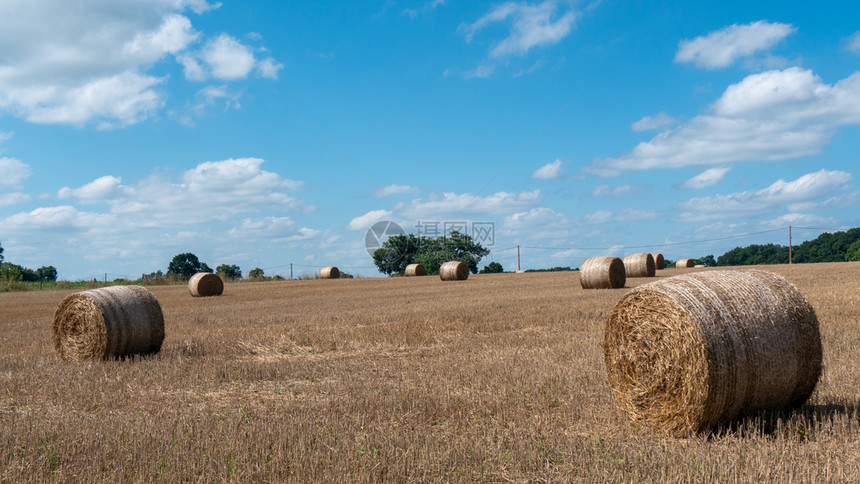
{"points": [[453, 206], [707, 178], [619, 191], [723, 47], [363, 222], [14, 171], [853, 43], [648, 123], [395, 190], [529, 26], [627, 215], [14, 198], [805, 188], [79, 62], [773, 115], [550, 171]]}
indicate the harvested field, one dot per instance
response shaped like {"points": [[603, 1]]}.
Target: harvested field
{"points": [[367, 380]]}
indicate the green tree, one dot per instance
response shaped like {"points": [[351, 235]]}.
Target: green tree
{"points": [[256, 273], [230, 271], [707, 260], [401, 250], [492, 268], [10, 272], [48, 274], [853, 252], [186, 265], [1, 253]]}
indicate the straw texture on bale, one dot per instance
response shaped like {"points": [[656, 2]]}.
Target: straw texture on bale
{"points": [[330, 272], [687, 353], [685, 263], [659, 261], [105, 323], [205, 284], [602, 273], [639, 265], [415, 270], [454, 271]]}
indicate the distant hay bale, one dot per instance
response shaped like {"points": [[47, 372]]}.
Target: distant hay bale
{"points": [[602, 273], [105, 323], [659, 261], [520, 271], [454, 271], [330, 272], [413, 270], [205, 284], [639, 265], [685, 263], [690, 352]]}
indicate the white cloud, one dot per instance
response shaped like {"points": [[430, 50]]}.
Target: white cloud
{"points": [[619, 191], [550, 171], [424, 9], [799, 219], [853, 42], [658, 121], [770, 116], [803, 189], [839, 201], [723, 47], [363, 222], [529, 26], [395, 190], [707, 178], [228, 58], [62, 217], [626, 215], [277, 228], [269, 68], [536, 218], [14, 198], [88, 61], [14, 171], [453, 206]]}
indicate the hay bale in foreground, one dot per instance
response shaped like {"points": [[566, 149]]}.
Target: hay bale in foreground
{"points": [[330, 272], [659, 261], [692, 351], [110, 322], [639, 265], [685, 263], [205, 284], [602, 273], [454, 271], [413, 270]]}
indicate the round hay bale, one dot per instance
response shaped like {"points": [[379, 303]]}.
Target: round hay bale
{"points": [[330, 272], [659, 261], [110, 322], [520, 271], [685, 263], [413, 270], [692, 351], [639, 265], [205, 284], [602, 273], [454, 271]]}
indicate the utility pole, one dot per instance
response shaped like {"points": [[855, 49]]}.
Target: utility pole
{"points": [[291, 271], [518, 257], [789, 244]]}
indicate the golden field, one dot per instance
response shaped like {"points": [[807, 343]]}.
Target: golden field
{"points": [[498, 378]]}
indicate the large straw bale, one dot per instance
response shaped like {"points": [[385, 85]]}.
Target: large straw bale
{"points": [[205, 284], [639, 265], [602, 273], [685, 263], [659, 261], [413, 270], [330, 272], [690, 352], [105, 323], [454, 271]]}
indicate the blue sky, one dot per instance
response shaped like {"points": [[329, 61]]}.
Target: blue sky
{"points": [[264, 133]]}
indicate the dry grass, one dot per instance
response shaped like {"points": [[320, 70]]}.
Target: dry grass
{"points": [[367, 380]]}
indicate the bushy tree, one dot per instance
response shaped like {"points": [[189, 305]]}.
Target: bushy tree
{"points": [[492, 268], [1, 253], [10, 272], [853, 253], [401, 250], [186, 265], [47, 274], [256, 273], [230, 271], [707, 261]]}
